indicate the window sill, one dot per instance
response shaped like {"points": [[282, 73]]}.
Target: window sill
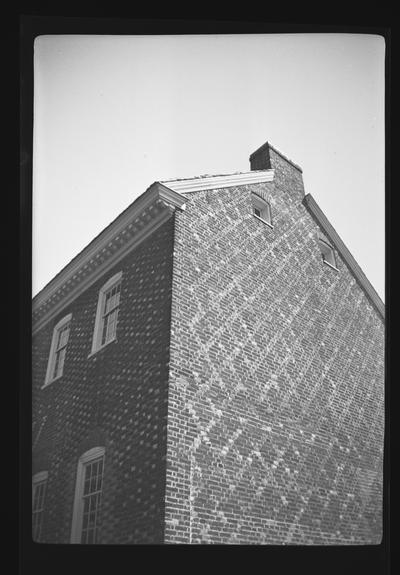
{"points": [[98, 349], [264, 221], [330, 265], [47, 383]]}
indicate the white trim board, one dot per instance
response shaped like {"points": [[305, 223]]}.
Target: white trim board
{"points": [[217, 182]]}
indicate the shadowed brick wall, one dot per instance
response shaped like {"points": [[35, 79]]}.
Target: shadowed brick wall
{"points": [[276, 399], [115, 398]]}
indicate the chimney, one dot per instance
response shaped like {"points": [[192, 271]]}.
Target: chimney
{"points": [[287, 173], [267, 157]]}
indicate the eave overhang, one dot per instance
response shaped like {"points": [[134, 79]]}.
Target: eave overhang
{"points": [[185, 186], [129, 229], [351, 263]]}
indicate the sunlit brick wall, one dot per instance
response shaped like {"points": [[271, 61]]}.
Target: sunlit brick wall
{"points": [[276, 398]]}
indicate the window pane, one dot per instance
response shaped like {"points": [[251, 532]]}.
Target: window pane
{"points": [[63, 336], [85, 520], [60, 352], [261, 208], [328, 254], [111, 298], [107, 302], [109, 326], [88, 472], [86, 487], [112, 325], [93, 484], [104, 331], [99, 482], [59, 362]]}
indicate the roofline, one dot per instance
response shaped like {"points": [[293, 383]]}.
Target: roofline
{"points": [[137, 206], [169, 193], [222, 181], [81, 270], [351, 263]]}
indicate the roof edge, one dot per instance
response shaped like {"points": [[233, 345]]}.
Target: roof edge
{"points": [[71, 275], [351, 263], [222, 181]]}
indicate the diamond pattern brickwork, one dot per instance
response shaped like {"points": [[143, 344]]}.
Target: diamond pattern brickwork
{"points": [[276, 416]]}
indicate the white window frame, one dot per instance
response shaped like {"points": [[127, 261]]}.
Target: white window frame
{"points": [[53, 349], [38, 479], [264, 208], [98, 326], [324, 243], [77, 513]]}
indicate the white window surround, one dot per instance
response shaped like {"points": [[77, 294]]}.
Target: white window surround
{"points": [[264, 209], [39, 480], [99, 322], [50, 377], [328, 253], [77, 513]]}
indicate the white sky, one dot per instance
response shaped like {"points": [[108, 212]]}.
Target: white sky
{"points": [[113, 114]]}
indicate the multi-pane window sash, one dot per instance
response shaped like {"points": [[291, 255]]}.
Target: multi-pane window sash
{"points": [[105, 327], [38, 496], [91, 499], [60, 351], [110, 313], [88, 495], [262, 209], [328, 254]]}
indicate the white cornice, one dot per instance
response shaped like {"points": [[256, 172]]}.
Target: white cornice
{"points": [[129, 229], [217, 182]]}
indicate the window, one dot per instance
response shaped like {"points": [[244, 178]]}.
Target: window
{"points": [[58, 349], [39, 482], [328, 254], [88, 492], [105, 329], [261, 209]]}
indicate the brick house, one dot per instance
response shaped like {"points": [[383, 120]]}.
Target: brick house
{"points": [[210, 369]]}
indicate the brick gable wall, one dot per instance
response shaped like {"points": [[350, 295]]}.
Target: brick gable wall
{"points": [[276, 399], [116, 398]]}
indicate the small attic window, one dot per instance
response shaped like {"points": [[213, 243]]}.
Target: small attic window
{"points": [[328, 254], [261, 209]]}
